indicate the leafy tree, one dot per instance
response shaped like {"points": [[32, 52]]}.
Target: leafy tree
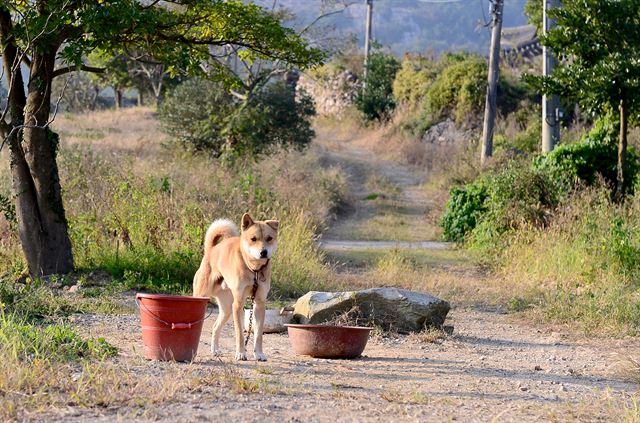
{"points": [[598, 44], [533, 12], [42, 33], [376, 101], [203, 116]]}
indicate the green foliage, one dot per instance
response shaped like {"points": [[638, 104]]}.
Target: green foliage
{"points": [[597, 43], [203, 116], [413, 80], [533, 12], [376, 101], [497, 203], [178, 36], [25, 341], [594, 157], [460, 88], [464, 209], [519, 196]]}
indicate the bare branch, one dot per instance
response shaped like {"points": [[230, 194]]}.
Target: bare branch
{"points": [[85, 68]]}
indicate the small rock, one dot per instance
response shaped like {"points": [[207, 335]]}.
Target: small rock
{"points": [[524, 388], [537, 368], [74, 288]]}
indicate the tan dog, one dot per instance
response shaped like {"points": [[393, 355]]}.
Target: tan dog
{"points": [[227, 273]]}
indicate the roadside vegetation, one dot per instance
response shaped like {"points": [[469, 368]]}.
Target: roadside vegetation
{"points": [[556, 234]]}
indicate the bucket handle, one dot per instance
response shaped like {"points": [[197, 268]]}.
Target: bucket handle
{"points": [[172, 325]]}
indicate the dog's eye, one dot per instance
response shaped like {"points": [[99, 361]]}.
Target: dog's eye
{"points": [[269, 239], [254, 239]]}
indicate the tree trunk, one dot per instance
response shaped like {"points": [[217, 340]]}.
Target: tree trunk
{"points": [[157, 92], [140, 98], [42, 226], [622, 152], [118, 94], [96, 94], [45, 239]]}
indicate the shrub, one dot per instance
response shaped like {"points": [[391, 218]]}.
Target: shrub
{"points": [[586, 263], [463, 210], [497, 203], [376, 101], [594, 157], [203, 116], [459, 90], [413, 80], [518, 196]]}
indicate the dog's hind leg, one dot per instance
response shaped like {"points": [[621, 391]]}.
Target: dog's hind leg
{"points": [[224, 298]]}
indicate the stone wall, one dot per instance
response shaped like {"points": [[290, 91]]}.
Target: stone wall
{"points": [[333, 94]]}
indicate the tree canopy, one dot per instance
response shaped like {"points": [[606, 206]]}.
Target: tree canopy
{"points": [[598, 45], [55, 37]]}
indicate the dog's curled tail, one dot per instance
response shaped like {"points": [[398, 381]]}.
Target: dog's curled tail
{"points": [[219, 230]]}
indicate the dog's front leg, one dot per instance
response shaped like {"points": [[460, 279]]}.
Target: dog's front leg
{"points": [[258, 312], [238, 317]]}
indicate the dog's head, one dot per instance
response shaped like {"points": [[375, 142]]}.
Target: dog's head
{"points": [[258, 239]]}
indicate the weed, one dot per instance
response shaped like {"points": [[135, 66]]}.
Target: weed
{"points": [[429, 335]]}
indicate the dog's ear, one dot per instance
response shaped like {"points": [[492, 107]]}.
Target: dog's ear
{"points": [[247, 221], [273, 224]]}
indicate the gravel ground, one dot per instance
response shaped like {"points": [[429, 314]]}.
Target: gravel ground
{"points": [[493, 368]]}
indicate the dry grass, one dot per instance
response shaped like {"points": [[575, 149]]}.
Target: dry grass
{"points": [[44, 386], [131, 130]]}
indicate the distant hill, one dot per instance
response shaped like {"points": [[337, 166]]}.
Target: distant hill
{"points": [[413, 25]]}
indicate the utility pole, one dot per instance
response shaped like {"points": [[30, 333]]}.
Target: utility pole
{"points": [[367, 39], [551, 103], [492, 79]]}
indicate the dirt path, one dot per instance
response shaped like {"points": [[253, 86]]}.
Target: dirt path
{"points": [[493, 368], [388, 200]]}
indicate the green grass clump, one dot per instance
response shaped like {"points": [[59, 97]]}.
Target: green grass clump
{"points": [[36, 300], [25, 341]]}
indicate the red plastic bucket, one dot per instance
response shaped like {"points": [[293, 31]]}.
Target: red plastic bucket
{"points": [[171, 325]]}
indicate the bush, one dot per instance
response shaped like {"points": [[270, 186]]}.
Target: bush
{"points": [[585, 264], [519, 196], [594, 157], [376, 101], [495, 204], [459, 90], [463, 210], [203, 116], [413, 80]]}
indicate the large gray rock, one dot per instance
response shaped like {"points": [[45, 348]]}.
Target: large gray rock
{"points": [[390, 308], [447, 132]]}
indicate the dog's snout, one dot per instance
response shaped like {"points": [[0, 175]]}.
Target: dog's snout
{"points": [[263, 254]]}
